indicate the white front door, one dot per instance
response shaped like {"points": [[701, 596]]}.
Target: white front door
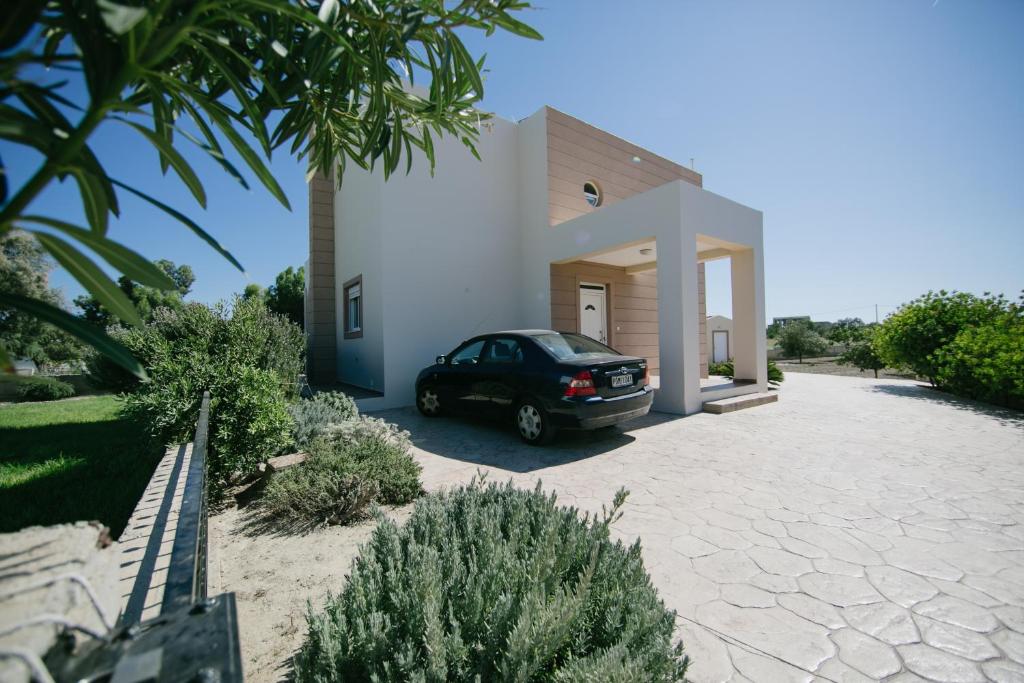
{"points": [[593, 317], [720, 346]]}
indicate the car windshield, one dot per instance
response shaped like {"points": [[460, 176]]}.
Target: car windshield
{"points": [[564, 346]]}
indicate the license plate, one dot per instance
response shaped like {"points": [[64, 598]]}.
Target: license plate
{"points": [[622, 381]]}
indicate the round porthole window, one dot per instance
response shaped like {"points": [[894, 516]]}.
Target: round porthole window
{"points": [[592, 193]]}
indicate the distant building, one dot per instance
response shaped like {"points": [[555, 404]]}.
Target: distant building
{"points": [[719, 331], [782, 322], [24, 366]]}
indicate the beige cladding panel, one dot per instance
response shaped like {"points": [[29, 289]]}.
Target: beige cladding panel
{"points": [[321, 319], [633, 310], [579, 152]]}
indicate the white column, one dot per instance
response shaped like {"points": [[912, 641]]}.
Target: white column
{"points": [[678, 325], [748, 323]]}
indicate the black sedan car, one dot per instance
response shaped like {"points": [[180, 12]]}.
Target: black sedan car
{"points": [[543, 380]]}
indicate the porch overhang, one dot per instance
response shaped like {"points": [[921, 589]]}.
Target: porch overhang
{"points": [[680, 225]]}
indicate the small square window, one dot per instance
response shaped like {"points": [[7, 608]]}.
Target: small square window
{"points": [[353, 311]]}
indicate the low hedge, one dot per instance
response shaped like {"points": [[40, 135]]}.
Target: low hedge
{"points": [[354, 464], [494, 583], [725, 369], [313, 417], [44, 389]]}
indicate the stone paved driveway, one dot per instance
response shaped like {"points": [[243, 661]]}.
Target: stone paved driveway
{"points": [[856, 530]]}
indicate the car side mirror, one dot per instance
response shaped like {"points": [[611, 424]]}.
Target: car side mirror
{"points": [[441, 360]]}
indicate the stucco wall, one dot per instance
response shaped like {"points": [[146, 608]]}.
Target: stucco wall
{"points": [[358, 222], [451, 254]]}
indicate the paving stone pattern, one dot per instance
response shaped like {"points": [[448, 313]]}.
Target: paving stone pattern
{"points": [[856, 530]]}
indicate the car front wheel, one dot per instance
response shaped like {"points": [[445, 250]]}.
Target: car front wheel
{"points": [[428, 401], [533, 424]]}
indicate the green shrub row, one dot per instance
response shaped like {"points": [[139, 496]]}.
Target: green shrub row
{"points": [[965, 344], [43, 389], [490, 583], [725, 369]]}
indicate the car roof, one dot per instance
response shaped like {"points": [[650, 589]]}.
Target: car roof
{"points": [[523, 333]]}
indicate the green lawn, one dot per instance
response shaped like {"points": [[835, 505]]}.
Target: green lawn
{"points": [[70, 460]]}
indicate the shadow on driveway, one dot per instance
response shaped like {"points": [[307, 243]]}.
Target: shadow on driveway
{"points": [[924, 392], [496, 444]]}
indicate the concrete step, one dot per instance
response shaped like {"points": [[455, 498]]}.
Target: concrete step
{"points": [[728, 405]]}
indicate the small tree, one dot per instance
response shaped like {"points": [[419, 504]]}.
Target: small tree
{"points": [[799, 339], [847, 331], [287, 295], [863, 356]]}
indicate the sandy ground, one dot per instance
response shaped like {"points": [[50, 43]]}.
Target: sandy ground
{"points": [[274, 577], [829, 366]]}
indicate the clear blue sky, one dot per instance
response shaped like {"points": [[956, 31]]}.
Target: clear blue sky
{"points": [[884, 141]]}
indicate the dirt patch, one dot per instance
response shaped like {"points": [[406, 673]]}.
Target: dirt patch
{"points": [[274, 576], [829, 366]]}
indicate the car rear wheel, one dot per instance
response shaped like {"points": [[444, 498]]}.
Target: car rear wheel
{"points": [[428, 401], [533, 424]]}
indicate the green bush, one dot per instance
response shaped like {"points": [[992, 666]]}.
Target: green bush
{"points": [[910, 337], [104, 374], [494, 583], [356, 462], [44, 389], [725, 369], [313, 417], [964, 344], [863, 356], [987, 362], [249, 360], [249, 421]]}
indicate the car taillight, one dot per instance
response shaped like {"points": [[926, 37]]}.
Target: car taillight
{"points": [[581, 384], [647, 377]]}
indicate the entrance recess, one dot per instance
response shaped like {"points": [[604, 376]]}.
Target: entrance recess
{"points": [[593, 311], [720, 344]]}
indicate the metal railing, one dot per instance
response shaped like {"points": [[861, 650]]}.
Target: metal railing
{"points": [[195, 637], [186, 573]]}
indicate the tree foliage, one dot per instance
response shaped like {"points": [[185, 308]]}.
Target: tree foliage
{"points": [[799, 339], [145, 299], [24, 271], [847, 331], [333, 74], [287, 295], [253, 291]]}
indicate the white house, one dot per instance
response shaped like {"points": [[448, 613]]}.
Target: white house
{"points": [[561, 225]]}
